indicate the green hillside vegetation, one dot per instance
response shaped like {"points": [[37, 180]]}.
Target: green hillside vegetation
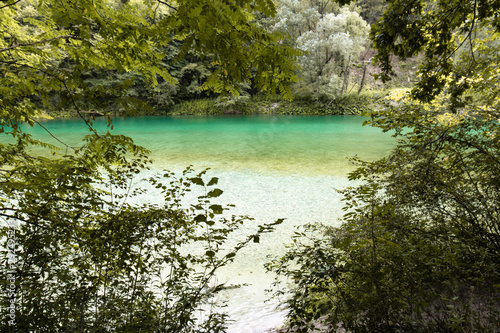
{"points": [[339, 34]]}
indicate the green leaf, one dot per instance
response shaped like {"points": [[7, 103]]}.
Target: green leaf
{"points": [[214, 193], [197, 181], [213, 181], [217, 209], [200, 218]]}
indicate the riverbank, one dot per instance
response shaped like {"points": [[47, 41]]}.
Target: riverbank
{"points": [[348, 104]]}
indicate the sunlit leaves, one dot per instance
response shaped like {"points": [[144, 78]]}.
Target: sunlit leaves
{"points": [[438, 29], [226, 31]]}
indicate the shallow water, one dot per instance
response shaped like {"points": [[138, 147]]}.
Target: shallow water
{"points": [[270, 167]]}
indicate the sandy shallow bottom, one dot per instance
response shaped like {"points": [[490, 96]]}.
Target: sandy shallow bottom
{"points": [[266, 197]]}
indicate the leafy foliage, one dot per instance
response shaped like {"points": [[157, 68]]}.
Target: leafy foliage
{"points": [[347, 104], [372, 10], [89, 260], [112, 87], [437, 28], [419, 246], [50, 47]]}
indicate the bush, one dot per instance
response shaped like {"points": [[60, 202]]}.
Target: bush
{"points": [[195, 107], [351, 104]]}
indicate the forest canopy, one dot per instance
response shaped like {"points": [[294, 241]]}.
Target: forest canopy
{"points": [[48, 47]]}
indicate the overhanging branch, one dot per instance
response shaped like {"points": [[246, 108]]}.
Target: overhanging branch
{"points": [[16, 45], [167, 4], [9, 4]]}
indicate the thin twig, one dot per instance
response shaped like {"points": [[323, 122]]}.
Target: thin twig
{"points": [[38, 42], [10, 4], [168, 5], [78, 111], [31, 222], [469, 36], [52, 135]]}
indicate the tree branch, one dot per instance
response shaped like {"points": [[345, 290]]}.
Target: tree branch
{"points": [[63, 82], [166, 4], [52, 135], [38, 42], [10, 4], [24, 220]]}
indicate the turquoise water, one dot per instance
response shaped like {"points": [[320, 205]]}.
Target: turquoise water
{"points": [[269, 168], [305, 145]]}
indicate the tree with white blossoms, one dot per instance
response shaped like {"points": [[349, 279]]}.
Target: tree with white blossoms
{"points": [[333, 37]]}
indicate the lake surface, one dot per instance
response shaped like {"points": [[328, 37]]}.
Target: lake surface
{"points": [[270, 167], [301, 145]]}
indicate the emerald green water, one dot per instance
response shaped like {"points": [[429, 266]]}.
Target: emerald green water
{"points": [[269, 168], [305, 145]]}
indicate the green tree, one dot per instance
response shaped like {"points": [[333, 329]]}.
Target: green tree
{"points": [[111, 90], [77, 254], [332, 36], [419, 244], [372, 10], [128, 38], [438, 29]]}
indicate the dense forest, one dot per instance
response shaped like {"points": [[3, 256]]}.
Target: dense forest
{"points": [[419, 245], [335, 62]]}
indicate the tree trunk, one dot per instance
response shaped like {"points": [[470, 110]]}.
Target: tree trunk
{"points": [[363, 78], [347, 73]]}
